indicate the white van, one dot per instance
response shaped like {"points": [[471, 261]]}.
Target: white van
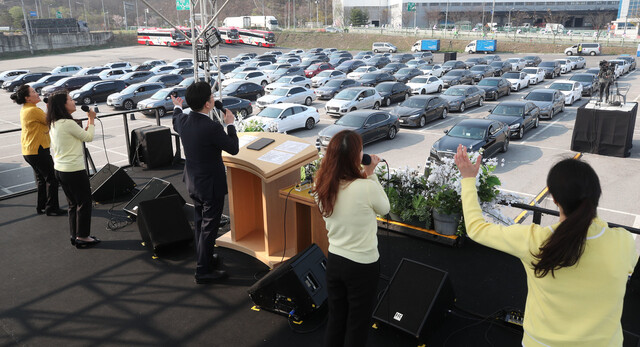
{"points": [[383, 47]]}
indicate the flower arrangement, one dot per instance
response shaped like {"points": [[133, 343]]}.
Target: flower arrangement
{"points": [[254, 125], [407, 192]]}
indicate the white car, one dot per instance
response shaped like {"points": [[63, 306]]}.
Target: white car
{"points": [[288, 81], [293, 94], [325, 76], [257, 77], [535, 74], [357, 73], [517, 64], [261, 64], [295, 51], [354, 98], [239, 69], [517, 79], [10, 75], [572, 90], [290, 60], [288, 117], [565, 65], [270, 69], [67, 70], [425, 84], [623, 64], [113, 74], [433, 70]]}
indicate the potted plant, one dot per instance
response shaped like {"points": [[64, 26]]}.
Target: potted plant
{"points": [[253, 125], [407, 192]]}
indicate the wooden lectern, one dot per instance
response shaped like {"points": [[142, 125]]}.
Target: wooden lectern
{"points": [[257, 212]]}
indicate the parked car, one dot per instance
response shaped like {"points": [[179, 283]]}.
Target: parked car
{"points": [[168, 80], [453, 64], [136, 77], [461, 97], [517, 79], [420, 109], [392, 68], [549, 101], [631, 60], [237, 106], [384, 47], [67, 70], [287, 71], [417, 63], [535, 74], [113, 74], [518, 115], [69, 83], [361, 54], [325, 76], [271, 68], [407, 73], [162, 69], [402, 57], [373, 78], [118, 65], [378, 62], [90, 71], [350, 65], [456, 77], [257, 77], [590, 82], [593, 71], [475, 134], [14, 84], [261, 64], [245, 90], [393, 92], [357, 73], [578, 62], [242, 68], [532, 60], [331, 88], [372, 125], [290, 94], [287, 117], [572, 90], [97, 91], [551, 68], [426, 56], [492, 58], [481, 71], [352, 99], [584, 49], [433, 70], [129, 97], [9, 75], [226, 67], [475, 61], [517, 64], [288, 81], [495, 87], [316, 69], [162, 100], [500, 67], [45, 81], [624, 66], [425, 84], [338, 60]]}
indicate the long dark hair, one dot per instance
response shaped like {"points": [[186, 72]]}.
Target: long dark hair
{"points": [[340, 164], [20, 96], [56, 108], [576, 188]]}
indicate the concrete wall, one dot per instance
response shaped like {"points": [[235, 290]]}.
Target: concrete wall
{"points": [[20, 43]]}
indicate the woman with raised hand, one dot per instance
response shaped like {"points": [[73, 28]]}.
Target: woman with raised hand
{"points": [[577, 269]]}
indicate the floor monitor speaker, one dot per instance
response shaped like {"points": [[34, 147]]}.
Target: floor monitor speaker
{"points": [[151, 145], [162, 223], [109, 183], [155, 188]]}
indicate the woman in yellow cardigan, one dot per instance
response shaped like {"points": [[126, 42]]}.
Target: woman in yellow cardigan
{"points": [[35, 150], [577, 269]]}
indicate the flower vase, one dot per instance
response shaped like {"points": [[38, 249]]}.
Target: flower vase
{"points": [[445, 224]]}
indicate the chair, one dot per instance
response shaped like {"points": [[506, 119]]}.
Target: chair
{"points": [[620, 96]]}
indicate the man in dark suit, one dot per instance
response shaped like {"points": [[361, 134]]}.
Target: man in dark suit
{"points": [[203, 141]]}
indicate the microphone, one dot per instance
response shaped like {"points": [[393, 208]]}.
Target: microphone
{"points": [[366, 159], [45, 100], [85, 108], [218, 104]]}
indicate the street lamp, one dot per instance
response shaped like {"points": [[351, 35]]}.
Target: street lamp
{"points": [[85, 9], [446, 19], [104, 15], [317, 20], [509, 21]]}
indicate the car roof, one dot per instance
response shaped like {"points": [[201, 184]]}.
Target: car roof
{"points": [[460, 87], [423, 97], [478, 122], [543, 91]]}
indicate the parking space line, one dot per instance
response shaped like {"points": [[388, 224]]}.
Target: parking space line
{"points": [[16, 168], [108, 150], [544, 128]]}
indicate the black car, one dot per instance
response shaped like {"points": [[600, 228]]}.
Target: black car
{"points": [[481, 71], [371, 79], [405, 74], [453, 64], [500, 67], [475, 61], [245, 90], [308, 62], [228, 67], [475, 134], [495, 87], [333, 87], [518, 115], [590, 82], [420, 109], [372, 125], [532, 60], [551, 68], [378, 62], [14, 84], [169, 80], [337, 61], [392, 68], [350, 65], [341, 54], [314, 50], [393, 92], [266, 57], [456, 77], [402, 57], [46, 81], [96, 91], [69, 83], [237, 105]]}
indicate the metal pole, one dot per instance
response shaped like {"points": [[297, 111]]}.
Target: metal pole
{"points": [[446, 19], [324, 13], [294, 14], [194, 44], [146, 23], [482, 16], [124, 5], [415, 16], [104, 15], [509, 20], [70, 13], [317, 20], [493, 9], [137, 20], [27, 27], [310, 20]]}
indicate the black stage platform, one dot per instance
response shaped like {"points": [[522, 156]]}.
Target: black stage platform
{"points": [[115, 294]]}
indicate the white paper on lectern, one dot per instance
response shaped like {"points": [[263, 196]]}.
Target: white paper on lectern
{"points": [[245, 140], [276, 157], [294, 147]]}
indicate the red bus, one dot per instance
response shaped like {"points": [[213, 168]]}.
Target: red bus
{"points": [[257, 37], [229, 34], [160, 37]]}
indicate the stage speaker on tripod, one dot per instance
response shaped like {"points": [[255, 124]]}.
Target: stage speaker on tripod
{"points": [[156, 188], [109, 183], [297, 287], [416, 299], [163, 224], [151, 145]]}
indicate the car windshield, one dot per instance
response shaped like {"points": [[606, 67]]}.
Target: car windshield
{"points": [[562, 62], [561, 86], [508, 110], [270, 68], [415, 62], [240, 75], [530, 71], [582, 78], [325, 73], [414, 103], [270, 112], [285, 79], [547, 63], [362, 69], [533, 96], [515, 75], [280, 91], [513, 60], [428, 67], [130, 89], [87, 86], [450, 63], [231, 88], [313, 67], [334, 83], [351, 121], [490, 83], [529, 57], [454, 92], [384, 87], [161, 94], [404, 71], [455, 73], [478, 68], [467, 132], [420, 80], [497, 64], [45, 79], [347, 94], [61, 82]]}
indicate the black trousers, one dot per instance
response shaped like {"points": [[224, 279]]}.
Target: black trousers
{"points": [[78, 191], [352, 289], [207, 220], [46, 181], [604, 89]]}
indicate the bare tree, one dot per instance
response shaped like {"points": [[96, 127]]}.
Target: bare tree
{"points": [[432, 16], [600, 20], [407, 17], [384, 16]]}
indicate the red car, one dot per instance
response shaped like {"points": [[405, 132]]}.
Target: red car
{"points": [[315, 69]]}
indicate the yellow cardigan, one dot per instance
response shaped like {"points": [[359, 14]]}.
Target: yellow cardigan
{"points": [[582, 305], [35, 131]]}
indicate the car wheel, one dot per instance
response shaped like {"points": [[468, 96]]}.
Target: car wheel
{"points": [[521, 132], [128, 105], [308, 101], [375, 51], [536, 123], [571, 102], [161, 112], [168, 44], [376, 106], [552, 113], [86, 100], [481, 102], [352, 109], [462, 107], [592, 53], [264, 84], [423, 92], [146, 43], [439, 89], [307, 86], [508, 92], [406, 96], [243, 113], [392, 133], [444, 114], [569, 53], [388, 102], [505, 146], [423, 121], [518, 88], [310, 123]]}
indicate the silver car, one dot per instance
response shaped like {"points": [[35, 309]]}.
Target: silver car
{"points": [[549, 101], [287, 81], [162, 100], [136, 77], [354, 98], [113, 74], [130, 96], [293, 94]]}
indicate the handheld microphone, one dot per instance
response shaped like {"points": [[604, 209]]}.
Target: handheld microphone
{"points": [[366, 159], [85, 108], [218, 104], [45, 100]]}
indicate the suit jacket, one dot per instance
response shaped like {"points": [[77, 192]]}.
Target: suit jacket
{"points": [[203, 141]]}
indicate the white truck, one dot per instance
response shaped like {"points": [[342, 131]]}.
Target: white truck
{"points": [[247, 22], [554, 27]]}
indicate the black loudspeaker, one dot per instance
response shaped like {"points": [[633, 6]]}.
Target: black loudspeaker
{"points": [[416, 299], [151, 145], [295, 288], [109, 183], [162, 223], [155, 188]]}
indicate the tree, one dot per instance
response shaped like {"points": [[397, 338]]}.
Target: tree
{"points": [[407, 17], [5, 18], [358, 17], [17, 17], [600, 20], [433, 16]]}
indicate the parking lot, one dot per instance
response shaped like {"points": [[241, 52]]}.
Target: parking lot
{"points": [[525, 164]]}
